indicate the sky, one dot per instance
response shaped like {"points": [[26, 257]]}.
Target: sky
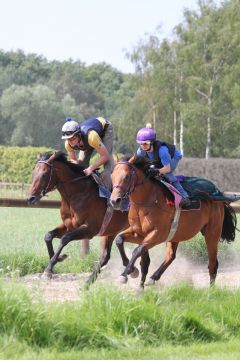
{"points": [[92, 31]]}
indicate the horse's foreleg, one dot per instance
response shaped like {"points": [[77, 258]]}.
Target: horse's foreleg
{"points": [[58, 232], [145, 262], [170, 256], [119, 240], [128, 236], [106, 246], [138, 251]]}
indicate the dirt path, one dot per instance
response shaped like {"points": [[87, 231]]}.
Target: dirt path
{"points": [[67, 287]]}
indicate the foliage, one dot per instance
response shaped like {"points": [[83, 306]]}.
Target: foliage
{"points": [[186, 86], [112, 318], [17, 163]]}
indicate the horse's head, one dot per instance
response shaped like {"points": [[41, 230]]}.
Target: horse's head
{"points": [[43, 179], [125, 177]]}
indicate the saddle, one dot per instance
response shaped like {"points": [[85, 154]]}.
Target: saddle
{"points": [[198, 189]]}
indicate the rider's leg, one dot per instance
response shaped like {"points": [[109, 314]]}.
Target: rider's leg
{"points": [[175, 182], [108, 167]]}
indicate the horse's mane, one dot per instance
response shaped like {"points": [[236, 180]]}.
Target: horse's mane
{"points": [[142, 163], [62, 157]]}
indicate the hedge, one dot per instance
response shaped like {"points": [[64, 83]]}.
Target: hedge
{"points": [[224, 173], [17, 163]]}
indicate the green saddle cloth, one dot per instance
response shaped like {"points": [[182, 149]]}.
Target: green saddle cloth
{"points": [[203, 189]]}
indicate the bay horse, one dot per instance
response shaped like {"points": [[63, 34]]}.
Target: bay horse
{"points": [[82, 210], [150, 218]]}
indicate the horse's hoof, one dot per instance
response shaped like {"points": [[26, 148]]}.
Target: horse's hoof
{"points": [[47, 275], [135, 273], [62, 258], [123, 279], [150, 282]]}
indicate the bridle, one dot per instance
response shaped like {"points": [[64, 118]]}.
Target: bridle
{"points": [[50, 165], [46, 190], [133, 182]]}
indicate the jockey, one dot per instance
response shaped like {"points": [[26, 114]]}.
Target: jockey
{"points": [[164, 156], [92, 134]]}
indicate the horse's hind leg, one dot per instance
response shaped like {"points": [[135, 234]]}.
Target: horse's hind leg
{"points": [[106, 246], [58, 232], [212, 248], [170, 256], [78, 234], [212, 234]]}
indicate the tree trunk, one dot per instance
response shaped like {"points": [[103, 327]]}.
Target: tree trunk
{"points": [[175, 127], [208, 146], [181, 135], [209, 129]]}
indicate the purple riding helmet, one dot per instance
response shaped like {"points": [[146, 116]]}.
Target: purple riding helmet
{"points": [[145, 134]]}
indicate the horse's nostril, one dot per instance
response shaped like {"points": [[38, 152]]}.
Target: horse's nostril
{"points": [[115, 202], [31, 199], [112, 202]]}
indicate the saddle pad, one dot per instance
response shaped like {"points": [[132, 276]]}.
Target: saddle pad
{"points": [[203, 189]]}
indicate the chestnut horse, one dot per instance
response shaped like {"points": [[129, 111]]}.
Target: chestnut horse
{"points": [[82, 210], [150, 218]]}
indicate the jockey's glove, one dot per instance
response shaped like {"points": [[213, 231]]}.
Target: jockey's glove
{"points": [[153, 172]]}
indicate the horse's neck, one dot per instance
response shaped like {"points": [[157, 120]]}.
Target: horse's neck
{"points": [[69, 183], [147, 191]]}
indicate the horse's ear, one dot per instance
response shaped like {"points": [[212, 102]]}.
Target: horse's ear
{"points": [[133, 158], [116, 158], [39, 155], [52, 157]]}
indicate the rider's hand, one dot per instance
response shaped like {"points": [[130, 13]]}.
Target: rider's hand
{"points": [[153, 172], [88, 170], [74, 161]]}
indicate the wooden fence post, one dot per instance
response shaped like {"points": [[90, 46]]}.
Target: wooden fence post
{"points": [[84, 247]]}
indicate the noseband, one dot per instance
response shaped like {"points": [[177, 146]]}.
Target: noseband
{"points": [[45, 191]]}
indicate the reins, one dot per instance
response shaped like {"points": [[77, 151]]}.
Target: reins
{"points": [[132, 186], [133, 183]]}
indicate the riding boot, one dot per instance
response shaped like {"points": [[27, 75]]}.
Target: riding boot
{"points": [[185, 198]]}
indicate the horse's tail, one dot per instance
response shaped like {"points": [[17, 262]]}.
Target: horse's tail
{"points": [[229, 223]]}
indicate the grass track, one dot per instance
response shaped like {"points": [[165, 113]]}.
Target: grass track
{"points": [[177, 323]]}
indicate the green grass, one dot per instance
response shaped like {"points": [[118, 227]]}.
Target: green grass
{"points": [[11, 349], [23, 248], [180, 321], [177, 323]]}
